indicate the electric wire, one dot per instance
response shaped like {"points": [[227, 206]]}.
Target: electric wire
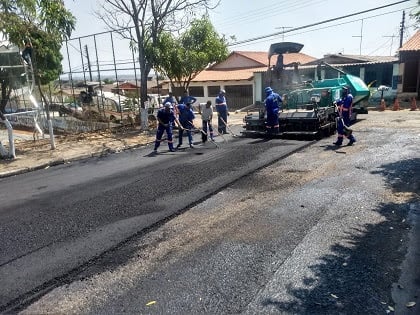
{"points": [[314, 24]]}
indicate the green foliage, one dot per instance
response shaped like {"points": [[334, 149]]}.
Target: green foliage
{"points": [[416, 16], [45, 24], [184, 57]]}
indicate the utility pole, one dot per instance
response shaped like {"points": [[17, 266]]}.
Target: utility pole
{"points": [[361, 37], [88, 62], [392, 43], [402, 29], [283, 28]]}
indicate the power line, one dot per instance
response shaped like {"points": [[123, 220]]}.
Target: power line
{"points": [[330, 26], [255, 15], [314, 24]]}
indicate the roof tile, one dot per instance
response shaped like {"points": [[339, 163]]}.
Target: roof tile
{"points": [[245, 71], [413, 44]]}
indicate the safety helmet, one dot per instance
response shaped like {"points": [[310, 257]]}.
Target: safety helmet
{"points": [[222, 92], [268, 89], [168, 105]]}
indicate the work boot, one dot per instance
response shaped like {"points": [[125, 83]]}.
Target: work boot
{"points": [[352, 140], [339, 141], [179, 145]]}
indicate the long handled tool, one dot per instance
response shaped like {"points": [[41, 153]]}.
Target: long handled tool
{"points": [[204, 133], [220, 134], [228, 128], [347, 130]]}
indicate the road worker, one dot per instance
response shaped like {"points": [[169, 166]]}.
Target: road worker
{"points": [[186, 98], [166, 119], [345, 107], [272, 106], [206, 118], [186, 118], [171, 99], [222, 112]]}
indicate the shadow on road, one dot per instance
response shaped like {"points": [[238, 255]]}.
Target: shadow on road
{"points": [[358, 279]]}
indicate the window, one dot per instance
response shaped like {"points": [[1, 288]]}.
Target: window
{"points": [[238, 90], [197, 91], [213, 90]]}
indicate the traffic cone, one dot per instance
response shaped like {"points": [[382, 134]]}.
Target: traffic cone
{"points": [[413, 104], [396, 104], [382, 107]]}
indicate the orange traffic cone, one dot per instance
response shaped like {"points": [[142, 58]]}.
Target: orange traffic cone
{"points": [[413, 104], [396, 105], [382, 107]]}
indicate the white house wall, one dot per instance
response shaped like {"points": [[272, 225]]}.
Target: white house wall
{"points": [[221, 84]]}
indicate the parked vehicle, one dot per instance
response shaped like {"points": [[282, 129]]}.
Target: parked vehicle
{"points": [[382, 91], [69, 109]]}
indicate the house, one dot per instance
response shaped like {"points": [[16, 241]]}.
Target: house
{"points": [[243, 74], [373, 70], [236, 76], [409, 68], [126, 88]]}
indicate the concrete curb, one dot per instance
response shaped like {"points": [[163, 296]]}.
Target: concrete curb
{"points": [[68, 160]]}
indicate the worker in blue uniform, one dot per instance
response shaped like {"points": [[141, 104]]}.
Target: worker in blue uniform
{"points": [[166, 119], [222, 111], [186, 98], [345, 108], [186, 118], [272, 106], [171, 99]]}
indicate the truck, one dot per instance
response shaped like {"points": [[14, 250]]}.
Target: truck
{"points": [[308, 107]]}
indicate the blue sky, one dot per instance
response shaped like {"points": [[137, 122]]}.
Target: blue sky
{"points": [[372, 33]]}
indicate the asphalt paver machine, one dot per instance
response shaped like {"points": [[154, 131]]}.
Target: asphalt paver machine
{"points": [[308, 107]]}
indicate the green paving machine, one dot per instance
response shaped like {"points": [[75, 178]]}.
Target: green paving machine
{"points": [[308, 107]]}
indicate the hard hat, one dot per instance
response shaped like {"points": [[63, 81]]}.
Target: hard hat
{"points": [[268, 89], [169, 105], [222, 91]]}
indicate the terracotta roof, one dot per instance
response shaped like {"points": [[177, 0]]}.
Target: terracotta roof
{"points": [[262, 57], [234, 68], [227, 74], [413, 44], [259, 56]]}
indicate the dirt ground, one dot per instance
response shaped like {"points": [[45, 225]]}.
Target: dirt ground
{"points": [[37, 154]]}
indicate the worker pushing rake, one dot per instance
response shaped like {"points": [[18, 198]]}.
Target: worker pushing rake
{"points": [[228, 127]]}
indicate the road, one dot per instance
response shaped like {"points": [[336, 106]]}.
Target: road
{"points": [[319, 231]]}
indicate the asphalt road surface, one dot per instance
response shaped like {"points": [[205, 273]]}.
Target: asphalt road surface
{"points": [[251, 226]]}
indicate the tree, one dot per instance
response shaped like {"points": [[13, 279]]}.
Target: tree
{"points": [[147, 19], [182, 59], [44, 24], [416, 16]]}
